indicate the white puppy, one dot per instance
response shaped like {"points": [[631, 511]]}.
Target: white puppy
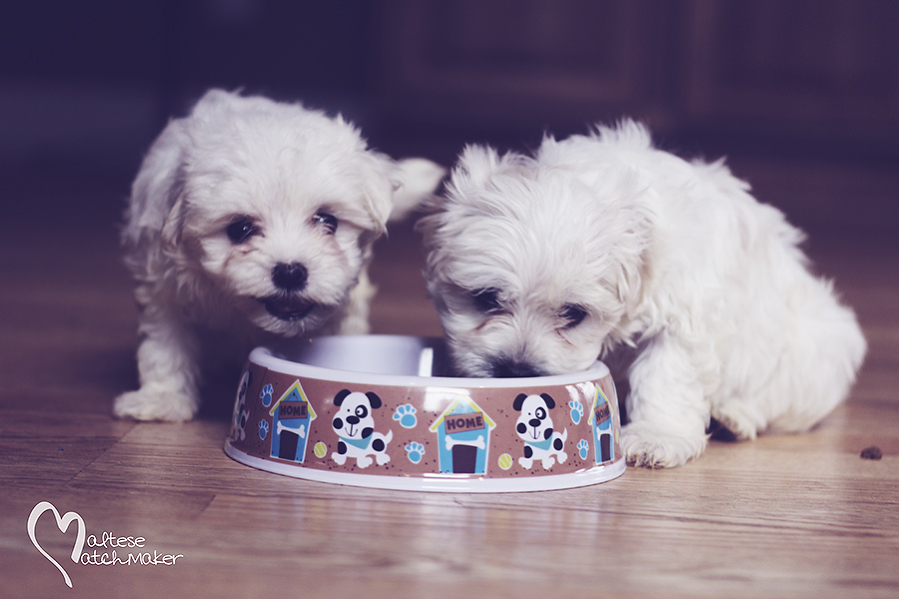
{"points": [[539, 264], [249, 221]]}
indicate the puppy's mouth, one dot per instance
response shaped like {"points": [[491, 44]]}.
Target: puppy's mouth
{"points": [[287, 307]]}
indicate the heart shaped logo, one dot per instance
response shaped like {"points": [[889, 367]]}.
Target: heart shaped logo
{"points": [[63, 523]]}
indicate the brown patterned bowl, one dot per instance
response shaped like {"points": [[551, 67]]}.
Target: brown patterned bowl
{"points": [[368, 410]]}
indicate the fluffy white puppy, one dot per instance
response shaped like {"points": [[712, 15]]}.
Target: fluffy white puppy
{"points": [[252, 221], [538, 264]]}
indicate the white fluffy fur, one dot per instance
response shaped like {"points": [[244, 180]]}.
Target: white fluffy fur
{"points": [[285, 169], [674, 259]]}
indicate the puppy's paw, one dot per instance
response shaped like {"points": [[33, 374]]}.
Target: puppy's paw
{"points": [[151, 403], [652, 446], [742, 424]]}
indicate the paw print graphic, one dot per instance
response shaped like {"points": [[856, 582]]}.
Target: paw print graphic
{"points": [[577, 411], [415, 451], [583, 448], [263, 428], [266, 396], [406, 416]]}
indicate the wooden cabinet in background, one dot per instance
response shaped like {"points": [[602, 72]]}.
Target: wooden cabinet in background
{"points": [[824, 67], [504, 63], [819, 68]]}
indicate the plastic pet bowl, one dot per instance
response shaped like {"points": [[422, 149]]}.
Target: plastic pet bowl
{"points": [[372, 411]]}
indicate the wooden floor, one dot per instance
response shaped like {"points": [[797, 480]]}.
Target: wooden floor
{"points": [[785, 516]]}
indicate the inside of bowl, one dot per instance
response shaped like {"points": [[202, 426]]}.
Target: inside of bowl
{"points": [[375, 354]]}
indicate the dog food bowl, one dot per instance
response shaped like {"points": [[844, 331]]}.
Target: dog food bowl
{"points": [[373, 411]]}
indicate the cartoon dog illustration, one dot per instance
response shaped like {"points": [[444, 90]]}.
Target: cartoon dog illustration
{"points": [[355, 427], [535, 427]]}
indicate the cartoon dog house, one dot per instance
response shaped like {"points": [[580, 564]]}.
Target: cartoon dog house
{"points": [[601, 419], [291, 416], [463, 437]]}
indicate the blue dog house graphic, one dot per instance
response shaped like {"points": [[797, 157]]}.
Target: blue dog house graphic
{"points": [[463, 437], [291, 416], [601, 419]]}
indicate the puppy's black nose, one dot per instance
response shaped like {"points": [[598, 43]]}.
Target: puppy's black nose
{"points": [[506, 368], [290, 277]]}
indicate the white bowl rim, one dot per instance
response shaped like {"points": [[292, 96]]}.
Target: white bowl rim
{"points": [[439, 483], [266, 357]]}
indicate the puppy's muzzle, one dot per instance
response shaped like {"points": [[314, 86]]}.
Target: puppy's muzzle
{"points": [[287, 304], [508, 368]]}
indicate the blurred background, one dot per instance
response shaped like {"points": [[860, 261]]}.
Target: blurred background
{"points": [[802, 96]]}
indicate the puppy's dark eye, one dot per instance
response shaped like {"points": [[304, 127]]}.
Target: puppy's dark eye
{"points": [[573, 315], [241, 229], [540, 413], [486, 300], [361, 412], [328, 221]]}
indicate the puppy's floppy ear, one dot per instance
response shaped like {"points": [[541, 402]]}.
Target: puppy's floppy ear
{"points": [[156, 190], [550, 402], [341, 395], [414, 180], [373, 171], [373, 399], [173, 225], [631, 284], [635, 255], [625, 223], [162, 177], [519, 401], [394, 189]]}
